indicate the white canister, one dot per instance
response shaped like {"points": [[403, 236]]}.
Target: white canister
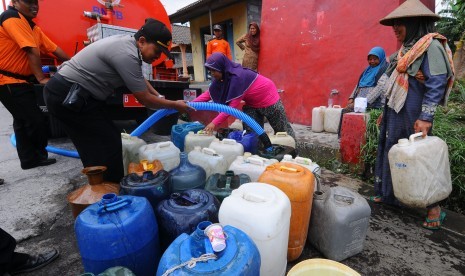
{"points": [[268, 224], [282, 138], [201, 139], [229, 148], [166, 152], [237, 124], [420, 170], [252, 166], [306, 163], [318, 117], [209, 160], [131, 145], [332, 118]]}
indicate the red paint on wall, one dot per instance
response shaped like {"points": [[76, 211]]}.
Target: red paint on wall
{"points": [[309, 48]]}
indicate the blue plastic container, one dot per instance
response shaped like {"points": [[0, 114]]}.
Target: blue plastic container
{"points": [[187, 176], [154, 187], [183, 211], [118, 231], [179, 132], [240, 257], [248, 140]]}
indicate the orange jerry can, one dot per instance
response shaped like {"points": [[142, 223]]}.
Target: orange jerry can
{"points": [[297, 183], [145, 165]]}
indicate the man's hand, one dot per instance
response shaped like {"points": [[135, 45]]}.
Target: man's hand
{"points": [[182, 106]]}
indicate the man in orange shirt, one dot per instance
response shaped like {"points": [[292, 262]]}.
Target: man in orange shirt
{"points": [[218, 43], [21, 44]]}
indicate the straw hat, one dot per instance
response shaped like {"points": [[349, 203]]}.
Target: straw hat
{"points": [[410, 8]]}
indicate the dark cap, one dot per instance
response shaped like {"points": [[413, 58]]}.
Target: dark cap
{"points": [[156, 32], [217, 27]]}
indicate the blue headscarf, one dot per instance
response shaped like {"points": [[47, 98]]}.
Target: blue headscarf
{"points": [[236, 79], [369, 76]]}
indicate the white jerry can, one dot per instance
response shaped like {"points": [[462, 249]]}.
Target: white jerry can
{"points": [[332, 118], [209, 160], [166, 152], [201, 139], [229, 148], [131, 145], [420, 170], [253, 166], [282, 138], [318, 118], [237, 124]]}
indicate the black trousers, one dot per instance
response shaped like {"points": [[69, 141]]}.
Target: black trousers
{"points": [[29, 123], [94, 135], [8, 258]]}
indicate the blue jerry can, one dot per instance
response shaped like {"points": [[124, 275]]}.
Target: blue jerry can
{"points": [[239, 257], [118, 231], [179, 132]]}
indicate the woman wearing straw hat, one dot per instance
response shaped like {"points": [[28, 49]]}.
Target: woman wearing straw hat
{"points": [[421, 77]]}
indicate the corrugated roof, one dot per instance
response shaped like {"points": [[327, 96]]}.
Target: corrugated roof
{"points": [[181, 34], [199, 8]]}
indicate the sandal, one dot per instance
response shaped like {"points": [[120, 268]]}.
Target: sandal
{"points": [[376, 199], [440, 219]]}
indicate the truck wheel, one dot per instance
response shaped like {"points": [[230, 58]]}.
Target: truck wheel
{"points": [[55, 127]]}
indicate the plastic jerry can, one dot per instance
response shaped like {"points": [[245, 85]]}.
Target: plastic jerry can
{"points": [[318, 118], [248, 140], [131, 145], [321, 267], [420, 170], [237, 124], [332, 118], [144, 165], [201, 139], [277, 152], [253, 166], [183, 211], [179, 132], [282, 138], [353, 131], [154, 187], [268, 224], [102, 243], [209, 160], [240, 256], [297, 183], [229, 148], [306, 163], [221, 185], [339, 223], [166, 152]]}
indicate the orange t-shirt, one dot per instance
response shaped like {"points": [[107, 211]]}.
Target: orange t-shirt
{"points": [[218, 45], [16, 33]]}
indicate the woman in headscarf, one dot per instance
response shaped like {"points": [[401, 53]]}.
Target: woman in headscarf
{"points": [[250, 43], [421, 77], [371, 83], [233, 83]]}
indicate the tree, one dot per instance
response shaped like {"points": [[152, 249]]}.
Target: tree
{"points": [[452, 23]]}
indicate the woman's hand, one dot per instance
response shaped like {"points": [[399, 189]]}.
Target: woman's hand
{"points": [[210, 128], [422, 126]]}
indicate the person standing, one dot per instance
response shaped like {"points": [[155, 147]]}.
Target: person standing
{"points": [[250, 43], [22, 42], [218, 44], [421, 77], [93, 74]]}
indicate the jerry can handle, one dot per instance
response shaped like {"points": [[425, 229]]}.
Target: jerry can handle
{"points": [[114, 206], [209, 151], [415, 135], [344, 199], [283, 134], [229, 141], [288, 169], [303, 160], [164, 144], [256, 161], [228, 182], [336, 106]]}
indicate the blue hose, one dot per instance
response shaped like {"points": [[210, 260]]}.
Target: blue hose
{"points": [[164, 112]]}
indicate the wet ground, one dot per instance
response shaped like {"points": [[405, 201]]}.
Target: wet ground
{"points": [[34, 210]]}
